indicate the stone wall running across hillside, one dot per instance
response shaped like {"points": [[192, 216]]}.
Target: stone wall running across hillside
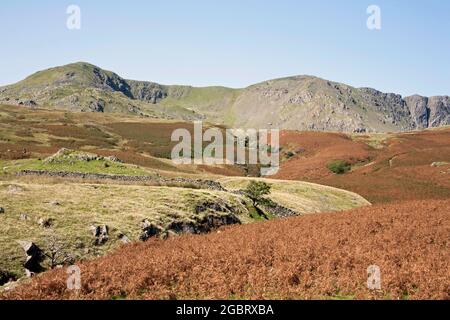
{"points": [[197, 183]]}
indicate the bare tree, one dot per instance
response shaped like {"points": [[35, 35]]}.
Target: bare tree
{"points": [[57, 252]]}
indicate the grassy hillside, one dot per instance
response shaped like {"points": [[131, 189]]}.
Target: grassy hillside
{"points": [[212, 102], [85, 87], [74, 206], [74, 161], [121, 207], [303, 197], [299, 102]]}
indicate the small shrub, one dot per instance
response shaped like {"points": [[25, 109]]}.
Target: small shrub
{"points": [[290, 154], [339, 166]]}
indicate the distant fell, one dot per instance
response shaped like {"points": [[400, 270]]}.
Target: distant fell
{"points": [[298, 103]]}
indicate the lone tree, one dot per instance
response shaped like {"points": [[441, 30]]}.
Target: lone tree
{"points": [[57, 252], [256, 190]]}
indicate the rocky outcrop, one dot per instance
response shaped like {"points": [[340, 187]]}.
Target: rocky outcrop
{"points": [[420, 112], [100, 233], [278, 210], [45, 222], [439, 111], [149, 230], [209, 216], [6, 277], [67, 154], [391, 106], [147, 91], [429, 112], [203, 225], [24, 217], [34, 256], [123, 238], [97, 106]]}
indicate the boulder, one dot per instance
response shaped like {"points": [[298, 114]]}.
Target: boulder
{"points": [[28, 103], [100, 233], [113, 159], [6, 277], [97, 106], [149, 230], [123, 238], [34, 257], [45, 222], [183, 227], [2, 210], [24, 217], [14, 189]]}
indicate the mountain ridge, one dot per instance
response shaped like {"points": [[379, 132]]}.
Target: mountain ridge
{"points": [[296, 102]]}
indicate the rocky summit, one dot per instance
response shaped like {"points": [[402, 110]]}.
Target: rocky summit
{"points": [[298, 103]]}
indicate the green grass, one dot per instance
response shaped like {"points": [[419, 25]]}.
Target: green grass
{"points": [[258, 216], [374, 140], [342, 297], [93, 166], [215, 102], [302, 197]]}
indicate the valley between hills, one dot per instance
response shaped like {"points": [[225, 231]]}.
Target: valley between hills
{"points": [[87, 179]]}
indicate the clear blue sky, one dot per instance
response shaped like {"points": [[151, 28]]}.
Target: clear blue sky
{"points": [[235, 42]]}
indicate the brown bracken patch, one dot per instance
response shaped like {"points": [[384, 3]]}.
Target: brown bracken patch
{"points": [[317, 256]]}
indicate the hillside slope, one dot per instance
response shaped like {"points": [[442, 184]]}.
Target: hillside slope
{"points": [[59, 199], [85, 87], [322, 256], [384, 167], [300, 102]]}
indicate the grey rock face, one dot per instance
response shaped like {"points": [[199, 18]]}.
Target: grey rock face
{"points": [[429, 112], [420, 112], [439, 111], [391, 105], [97, 106], [147, 91]]}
